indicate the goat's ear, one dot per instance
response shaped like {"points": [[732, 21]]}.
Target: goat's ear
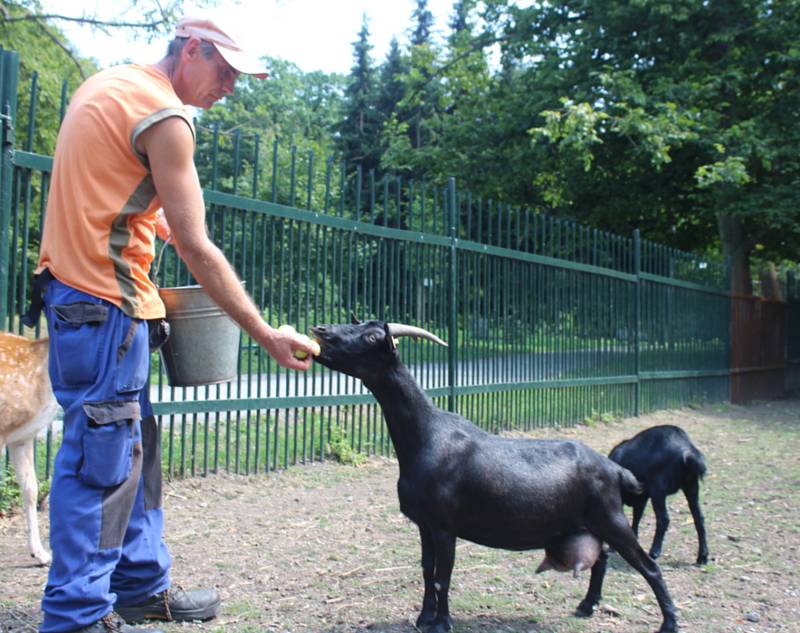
{"points": [[354, 319]]}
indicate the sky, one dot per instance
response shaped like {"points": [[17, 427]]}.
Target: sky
{"points": [[313, 34]]}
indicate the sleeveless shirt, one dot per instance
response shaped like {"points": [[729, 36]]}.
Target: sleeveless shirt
{"points": [[99, 229]]}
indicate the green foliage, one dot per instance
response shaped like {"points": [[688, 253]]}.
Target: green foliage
{"points": [[423, 22], [676, 118], [596, 418], [42, 57], [340, 448], [731, 171], [10, 495], [358, 128], [671, 114]]}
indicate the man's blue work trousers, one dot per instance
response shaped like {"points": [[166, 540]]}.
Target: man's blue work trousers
{"points": [[105, 498]]}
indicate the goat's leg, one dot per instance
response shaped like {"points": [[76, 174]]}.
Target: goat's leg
{"points": [[428, 613], [638, 511], [586, 607], [692, 492], [659, 501], [616, 531], [444, 546], [22, 458]]}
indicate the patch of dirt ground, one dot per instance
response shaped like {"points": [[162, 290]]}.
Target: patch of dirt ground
{"points": [[323, 548]]}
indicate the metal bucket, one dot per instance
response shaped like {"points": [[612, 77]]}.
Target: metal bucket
{"points": [[203, 344]]}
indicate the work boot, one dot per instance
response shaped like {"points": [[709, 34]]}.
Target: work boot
{"points": [[112, 623], [173, 604]]}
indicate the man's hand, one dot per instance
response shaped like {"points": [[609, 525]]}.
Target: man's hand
{"points": [[301, 353], [162, 226], [292, 349]]}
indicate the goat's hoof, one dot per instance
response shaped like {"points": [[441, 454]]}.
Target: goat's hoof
{"points": [[585, 609], [425, 619], [42, 558], [702, 560], [668, 628], [654, 555]]}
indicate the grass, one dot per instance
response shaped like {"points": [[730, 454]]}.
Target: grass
{"points": [[268, 442]]}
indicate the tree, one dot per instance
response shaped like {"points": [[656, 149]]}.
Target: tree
{"points": [[54, 65], [391, 88], [141, 18], [679, 118], [359, 128], [293, 108], [423, 21]]}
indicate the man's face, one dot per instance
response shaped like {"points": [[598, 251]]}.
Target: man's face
{"points": [[205, 80]]}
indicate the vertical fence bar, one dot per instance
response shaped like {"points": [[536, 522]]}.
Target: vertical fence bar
{"points": [[274, 192], [452, 348], [310, 180], [26, 193], [9, 77], [359, 175], [237, 144], [256, 165], [293, 177], [637, 326]]}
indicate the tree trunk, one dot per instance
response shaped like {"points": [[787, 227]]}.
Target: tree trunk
{"points": [[736, 246], [770, 283]]}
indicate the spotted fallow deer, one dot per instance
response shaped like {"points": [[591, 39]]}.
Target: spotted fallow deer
{"points": [[27, 406]]}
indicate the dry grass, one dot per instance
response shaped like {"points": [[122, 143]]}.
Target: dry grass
{"points": [[324, 548]]}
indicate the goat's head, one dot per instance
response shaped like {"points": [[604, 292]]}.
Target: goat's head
{"points": [[364, 348]]}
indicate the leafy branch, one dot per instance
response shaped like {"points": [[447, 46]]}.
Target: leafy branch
{"points": [[152, 25]]}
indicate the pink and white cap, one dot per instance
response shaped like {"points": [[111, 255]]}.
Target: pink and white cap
{"points": [[203, 28]]}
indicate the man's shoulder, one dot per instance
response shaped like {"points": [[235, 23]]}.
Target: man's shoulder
{"points": [[138, 87], [132, 74]]}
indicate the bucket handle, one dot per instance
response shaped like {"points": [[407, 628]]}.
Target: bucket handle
{"points": [[160, 255]]}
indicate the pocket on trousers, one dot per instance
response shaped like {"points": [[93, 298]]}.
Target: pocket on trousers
{"points": [[76, 341], [133, 358], [108, 443]]}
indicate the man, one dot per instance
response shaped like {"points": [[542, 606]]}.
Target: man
{"points": [[125, 148]]}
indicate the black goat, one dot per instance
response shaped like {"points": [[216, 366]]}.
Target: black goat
{"points": [[456, 480], [664, 460]]}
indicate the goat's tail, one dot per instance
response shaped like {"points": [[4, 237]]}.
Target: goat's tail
{"points": [[695, 462], [628, 482]]}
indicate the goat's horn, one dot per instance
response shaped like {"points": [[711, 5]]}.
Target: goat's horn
{"points": [[400, 329]]}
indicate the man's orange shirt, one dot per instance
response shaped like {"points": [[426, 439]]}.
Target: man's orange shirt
{"points": [[99, 232]]}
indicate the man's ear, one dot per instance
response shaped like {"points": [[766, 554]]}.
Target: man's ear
{"points": [[191, 50]]}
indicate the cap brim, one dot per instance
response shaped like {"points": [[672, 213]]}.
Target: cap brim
{"points": [[243, 62]]}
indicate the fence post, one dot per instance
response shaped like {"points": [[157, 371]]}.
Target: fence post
{"points": [[452, 338], [791, 301], [9, 76], [637, 269]]}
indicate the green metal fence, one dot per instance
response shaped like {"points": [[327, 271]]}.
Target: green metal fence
{"points": [[549, 322], [792, 292]]}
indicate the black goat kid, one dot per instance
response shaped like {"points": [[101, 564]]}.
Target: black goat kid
{"points": [[457, 481], [664, 459]]}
